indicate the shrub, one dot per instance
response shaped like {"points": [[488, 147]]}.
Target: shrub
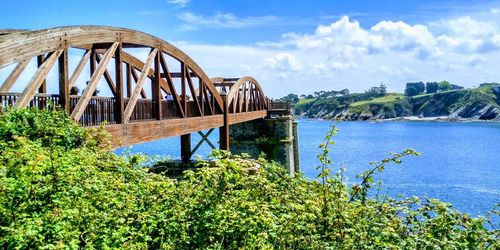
{"points": [[87, 197]]}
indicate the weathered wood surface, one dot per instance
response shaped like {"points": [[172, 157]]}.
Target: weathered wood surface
{"points": [[19, 46], [194, 106], [139, 132]]}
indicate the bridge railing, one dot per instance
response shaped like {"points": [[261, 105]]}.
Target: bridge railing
{"points": [[277, 107], [39, 100], [103, 109], [99, 110]]}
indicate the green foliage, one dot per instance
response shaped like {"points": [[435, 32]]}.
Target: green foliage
{"points": [[444, 86], [47, 128], [292, 98], [414, 88], [431, 87], [54, 196]]}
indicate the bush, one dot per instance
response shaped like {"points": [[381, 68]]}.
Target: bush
{"points": [[49, 128], [87, 197]]}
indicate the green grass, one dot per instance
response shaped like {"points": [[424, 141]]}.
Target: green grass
{"points": [[305, 101], [384, 99]]}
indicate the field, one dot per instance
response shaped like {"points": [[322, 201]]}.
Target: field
{"points": [[384, 99]]}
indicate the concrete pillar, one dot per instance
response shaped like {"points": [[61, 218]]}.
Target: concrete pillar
{"points": [[296, 158], [274, 136]]}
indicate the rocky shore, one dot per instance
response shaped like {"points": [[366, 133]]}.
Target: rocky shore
{"points": [[464, 105]]}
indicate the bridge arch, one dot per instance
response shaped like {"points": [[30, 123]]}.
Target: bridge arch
{"points": [[242, 94], [101, 44]]}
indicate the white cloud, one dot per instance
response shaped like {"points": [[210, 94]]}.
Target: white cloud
{"points": [[344, 54], [181, 3], [224, 20], [284, 62]]}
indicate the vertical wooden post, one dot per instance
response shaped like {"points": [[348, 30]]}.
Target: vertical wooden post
{"points": [[93, 60], [156, 91], [43, 87], [183, 90], [119, 85], [186, 147], [129, 81], [63, 81], [224, 130]]}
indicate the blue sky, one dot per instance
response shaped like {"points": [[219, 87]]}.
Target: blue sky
{"points": [[303, 46]]}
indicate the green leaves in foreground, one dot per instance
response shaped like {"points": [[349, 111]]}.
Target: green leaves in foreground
{"points": [[55, 196]]}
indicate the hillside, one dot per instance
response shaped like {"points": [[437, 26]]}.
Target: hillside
{"points": [[481, 103]]}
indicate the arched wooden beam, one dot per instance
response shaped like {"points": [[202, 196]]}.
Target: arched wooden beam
{"points": [[20, 46], [235, 89]]}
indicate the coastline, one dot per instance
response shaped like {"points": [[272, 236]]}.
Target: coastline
{"points": [[411, 119]]}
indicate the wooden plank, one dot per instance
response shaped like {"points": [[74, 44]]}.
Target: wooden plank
{"points": [[170, 83], [246, 116], [107, 77], [156, 89], [193, 92], [138, 64], [245, 97], [129, 80], [138, 86], [210, 102], [177, 75], [93, 60], [11, 79], [136, 78], [118, 112], [183, 89], [79, 68], [94, 80], [63, 80], [43, 87], [139, 132], [37, 79]]}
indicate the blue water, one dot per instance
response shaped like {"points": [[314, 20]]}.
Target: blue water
{"points": [[460, 162]]}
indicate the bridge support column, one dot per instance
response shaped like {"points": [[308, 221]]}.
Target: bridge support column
{"points": [[224, 130], [186, 147], [276, 137]]}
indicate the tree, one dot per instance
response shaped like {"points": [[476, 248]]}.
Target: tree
{"points": [[376, 91], [444, 86], [456, 87], [310, 96], [431, 87], [344, 92], [414, 88], [293, 98]]}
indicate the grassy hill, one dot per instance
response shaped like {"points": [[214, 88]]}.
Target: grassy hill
{"points": [[482, 103]]}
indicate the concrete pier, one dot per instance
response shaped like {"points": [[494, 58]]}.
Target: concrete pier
{"points": [[276, 137]]}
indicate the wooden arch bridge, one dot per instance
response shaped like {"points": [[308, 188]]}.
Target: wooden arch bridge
{"points": [[161, 95]]}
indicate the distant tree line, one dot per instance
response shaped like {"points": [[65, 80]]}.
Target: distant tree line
{"points": [[345, 97], [418, 88], [372, 92]]}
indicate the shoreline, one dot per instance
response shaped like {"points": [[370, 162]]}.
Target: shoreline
{"points": [[411, 119]]}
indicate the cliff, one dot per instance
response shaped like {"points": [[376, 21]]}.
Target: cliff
{"points": [[475, 104]]}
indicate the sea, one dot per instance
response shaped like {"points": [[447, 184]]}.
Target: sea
{"points": [[459, 161]]}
